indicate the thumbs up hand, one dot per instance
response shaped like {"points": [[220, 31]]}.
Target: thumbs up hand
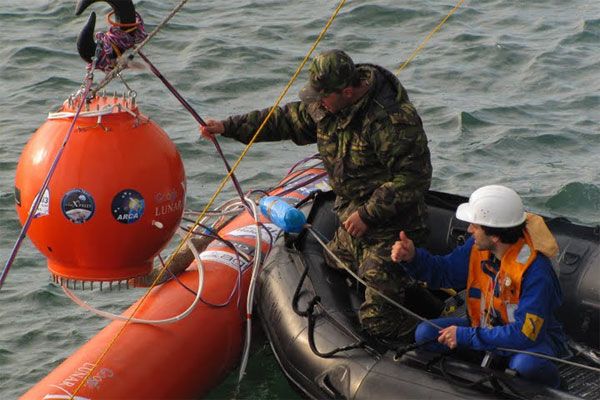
{"points": [[403, 249]]}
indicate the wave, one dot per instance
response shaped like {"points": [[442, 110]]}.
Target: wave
{"points": [[576, 196]]}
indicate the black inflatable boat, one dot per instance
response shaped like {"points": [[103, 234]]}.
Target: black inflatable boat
{"points": [[308, 312]]}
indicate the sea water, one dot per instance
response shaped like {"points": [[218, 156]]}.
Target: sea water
{"points": [[509, 93]]}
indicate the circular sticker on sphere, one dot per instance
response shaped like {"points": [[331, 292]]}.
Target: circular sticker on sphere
{"points": [[128, 206], [78, 206]]}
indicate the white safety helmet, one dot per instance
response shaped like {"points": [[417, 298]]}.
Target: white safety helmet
{"points": [[494, 206]]}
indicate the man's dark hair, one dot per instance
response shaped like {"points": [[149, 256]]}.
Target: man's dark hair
{"points": [[507, 235], [355, 81]]}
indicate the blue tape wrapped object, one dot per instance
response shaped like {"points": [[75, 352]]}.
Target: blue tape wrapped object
{"points": [[282, 214]]}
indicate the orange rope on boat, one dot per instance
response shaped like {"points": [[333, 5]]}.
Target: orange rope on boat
{"points": [[116, 49]]}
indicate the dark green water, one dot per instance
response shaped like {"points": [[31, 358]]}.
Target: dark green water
{"points": [[509, 92]]}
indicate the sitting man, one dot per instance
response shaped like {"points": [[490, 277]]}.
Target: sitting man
{"points": [[512, 290]]}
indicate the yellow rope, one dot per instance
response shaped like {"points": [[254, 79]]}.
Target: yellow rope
{"points": [[212, 199], [114, 339], [437, 28], [241, 157], [281, 96]]}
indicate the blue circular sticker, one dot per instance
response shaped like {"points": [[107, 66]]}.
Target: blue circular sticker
{"points": [[78, 206], [128, 206]]}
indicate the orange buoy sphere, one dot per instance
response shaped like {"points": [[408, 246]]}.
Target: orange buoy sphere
{"points": [[115, 198]]}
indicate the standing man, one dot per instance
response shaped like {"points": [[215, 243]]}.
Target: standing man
{"points": [[512, 290], [375, 151]]}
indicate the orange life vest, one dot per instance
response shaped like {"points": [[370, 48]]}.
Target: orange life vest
{"points": [[488, 289]]}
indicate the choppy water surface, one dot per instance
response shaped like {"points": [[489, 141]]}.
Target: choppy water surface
{"points": [[509, 93]]}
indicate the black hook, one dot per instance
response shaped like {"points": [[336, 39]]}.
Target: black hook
{"points": [[124, 9], [124, 13], [86, 46]]}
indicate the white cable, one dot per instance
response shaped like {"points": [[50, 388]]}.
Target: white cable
{"points": [[179, 317], [251, 289], [540, 355]]}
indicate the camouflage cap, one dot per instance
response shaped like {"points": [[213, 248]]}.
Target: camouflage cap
{"points": [[330, 71]]}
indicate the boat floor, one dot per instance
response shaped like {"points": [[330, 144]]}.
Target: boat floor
{"points": [[578, 381]]}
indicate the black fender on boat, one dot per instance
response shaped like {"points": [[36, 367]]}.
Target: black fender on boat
{"points": [[373, 371]]}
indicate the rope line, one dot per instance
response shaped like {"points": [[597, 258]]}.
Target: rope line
{"points": [[122, 64], [123, 59], [235, 165], [424, 42], [278, 101], [88, 80], [119, 67]]}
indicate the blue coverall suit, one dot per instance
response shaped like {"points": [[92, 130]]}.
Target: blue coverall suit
{"points": [[540, 295]]}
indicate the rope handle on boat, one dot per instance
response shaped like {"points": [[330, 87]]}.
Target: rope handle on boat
{"points": [[312, 318], [492, 377], [296, 297], [496, 380], [310, 315], [413, 346]]}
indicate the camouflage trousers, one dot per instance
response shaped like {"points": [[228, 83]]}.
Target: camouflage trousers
{"points": [[370, 259]]}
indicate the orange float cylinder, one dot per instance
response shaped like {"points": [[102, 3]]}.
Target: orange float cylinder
{"points": [[183, 359], [180, 360], [116, 195]]}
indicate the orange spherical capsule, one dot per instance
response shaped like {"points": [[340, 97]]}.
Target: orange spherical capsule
{"points": [[116, 195]]}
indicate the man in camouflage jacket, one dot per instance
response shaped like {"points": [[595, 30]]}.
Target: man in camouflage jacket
{"points": [[375, 151]]}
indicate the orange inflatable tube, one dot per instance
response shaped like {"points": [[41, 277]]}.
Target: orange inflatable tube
{"points": [[187, 358]]}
